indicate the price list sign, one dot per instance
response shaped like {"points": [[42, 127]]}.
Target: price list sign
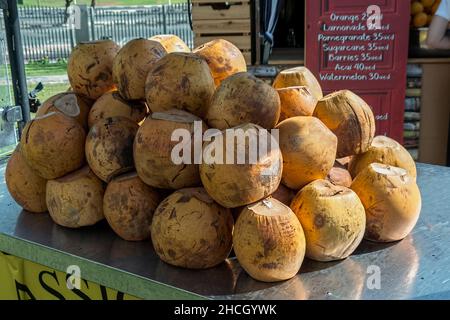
{"points": [[362, 46]]}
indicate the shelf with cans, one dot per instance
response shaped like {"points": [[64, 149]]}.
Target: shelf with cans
{"points": [[411, 125]]}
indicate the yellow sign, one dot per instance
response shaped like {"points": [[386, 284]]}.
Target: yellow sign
{"points": [[25, 280]]}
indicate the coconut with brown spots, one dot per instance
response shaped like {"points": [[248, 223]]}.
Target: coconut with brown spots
{"points": [[387, 151], [308, 148], [339, 175], [171, 43], [180, 81], [233, 172], [53, 145], [75, 200], [190, 230], [299, 76], [132, 64], [111, 104], [90, 67], [128, 206], [296, 101], [392, 201], [24, 185], [351, 120], [269, 241], [69, 103], [333, 219], [153, 149], [223, 57], [243, 98], [109, 147]]}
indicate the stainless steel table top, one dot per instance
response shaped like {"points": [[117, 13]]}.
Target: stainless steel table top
{"points": [[416, 268]]}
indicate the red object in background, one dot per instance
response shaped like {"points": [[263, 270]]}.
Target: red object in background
{"points": [[344, 53]]}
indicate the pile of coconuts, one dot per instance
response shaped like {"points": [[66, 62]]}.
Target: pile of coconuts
{"points": [[103, 150]]}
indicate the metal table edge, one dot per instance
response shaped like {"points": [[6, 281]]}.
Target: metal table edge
{"points": [[110, 277]]}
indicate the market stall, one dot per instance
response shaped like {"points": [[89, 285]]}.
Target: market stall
{"points": [[415, 268], [171, 173], [427, 97]]}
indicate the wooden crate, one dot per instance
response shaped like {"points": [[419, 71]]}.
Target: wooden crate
{"points": [[229, 20], [207, 10]]}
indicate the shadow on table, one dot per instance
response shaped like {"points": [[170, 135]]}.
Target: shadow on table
{"points": [[216, 281], [367, 246]]}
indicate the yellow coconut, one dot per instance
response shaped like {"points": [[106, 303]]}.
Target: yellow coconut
{"points": [[233, 172], [69, 103], [111, 104], [339, 175], [53, 145], [90, 67], [296, 101], [129, 205], [308, 148], [109, 147], [392, 201], [269, 241], [75, 200], [299, 76], [351, 120], [171, 43], [153, 148], [243, 98], [333, 219], [387, 151], [24, 185], [182, 81], [132, 64], [223, 57], [190, 230]]}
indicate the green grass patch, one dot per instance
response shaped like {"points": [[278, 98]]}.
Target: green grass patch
{"points": [[49, 90], [37, 69], [61, 3]]}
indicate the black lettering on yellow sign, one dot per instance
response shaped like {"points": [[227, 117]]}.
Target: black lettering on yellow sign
{"points": [[47, 287], [119, 295], [78, 292], [103, 292], [21, 287], [48, 281]]}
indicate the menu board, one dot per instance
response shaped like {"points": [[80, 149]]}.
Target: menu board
{"points": [[362, 46]]}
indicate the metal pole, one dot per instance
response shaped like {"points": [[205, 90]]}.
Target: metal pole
{"points": [[164, 19], [15, 51], [82, 34]]}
